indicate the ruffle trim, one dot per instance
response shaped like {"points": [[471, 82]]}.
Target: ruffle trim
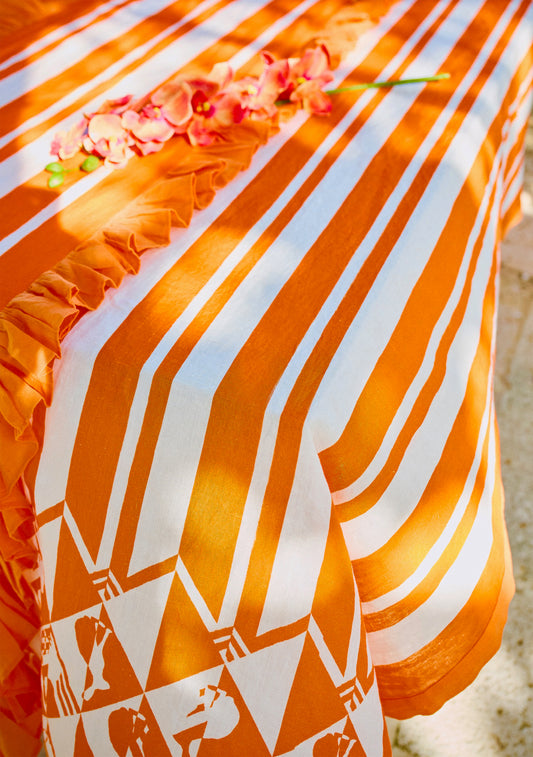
{"points": [[32, 327]]}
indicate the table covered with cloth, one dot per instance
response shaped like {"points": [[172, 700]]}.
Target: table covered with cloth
{"points": [[250, 492]]}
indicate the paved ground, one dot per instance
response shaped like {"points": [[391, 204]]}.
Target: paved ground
{"points": [[494, 716]]}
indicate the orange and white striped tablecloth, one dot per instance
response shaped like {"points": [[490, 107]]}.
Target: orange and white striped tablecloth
{"points": [[264, 505]]}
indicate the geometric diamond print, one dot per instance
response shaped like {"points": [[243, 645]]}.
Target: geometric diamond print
{"points": [[230, 644], [313, 703], [106, 584], [350, 695], [256, 685], [139, 639]]}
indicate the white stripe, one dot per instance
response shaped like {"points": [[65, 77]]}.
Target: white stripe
{"points": [[98, 323], [171, 480], [341, 381], [250, 519], [195, 596], [224, 338], [242, 57], [371, 530], [80, 543], [301, 546], [59, 33], [367, 725], [514, 188], [61, 202], [423, 625], [326, 657], [30, 159], [74, 48]]}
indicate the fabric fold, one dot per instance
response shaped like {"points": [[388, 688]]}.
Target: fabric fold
{"points": [[32, 327]]}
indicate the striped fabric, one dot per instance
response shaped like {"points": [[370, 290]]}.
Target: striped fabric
{"points": [[267, 493]]}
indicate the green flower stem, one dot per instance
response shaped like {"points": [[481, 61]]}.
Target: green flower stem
{"points": [[390, 83]]}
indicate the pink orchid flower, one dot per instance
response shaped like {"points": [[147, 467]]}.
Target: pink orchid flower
{"points": [[107, 138], [66, 144], [274, 80], [214, 105], [258, 96], [310, 96], [218, 79], [149, 129], [174, 101], [118, 105], [211, 115], [307, 76]]}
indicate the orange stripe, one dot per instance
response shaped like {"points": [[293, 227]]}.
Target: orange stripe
{"points": [[482, 618], [48, 25], [374, 404], [54, 239], [31, 22], [447, 481], [412, 542], [334, 603], [168, 299], [50, 514], [309, 379], [36, 101]]}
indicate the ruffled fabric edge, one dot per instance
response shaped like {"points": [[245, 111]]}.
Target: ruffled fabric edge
{"points": [[32, 326]]}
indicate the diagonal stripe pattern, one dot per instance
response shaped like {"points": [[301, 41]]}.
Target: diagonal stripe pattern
{"points": [[267, 498]]}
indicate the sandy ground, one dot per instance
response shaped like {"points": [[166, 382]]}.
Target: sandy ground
{"points": [[494, 716]]}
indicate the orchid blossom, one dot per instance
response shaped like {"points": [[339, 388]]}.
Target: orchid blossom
{"points": [[307, 76], [174, 103], [258, 96], [212, 115], [66, 144], [108, 138], [149, 129], [117, 105], [200, 109], [215, 106]]}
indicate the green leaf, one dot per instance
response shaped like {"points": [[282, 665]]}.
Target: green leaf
{"points": [[90, 164], [54, 168], [56, 179]]}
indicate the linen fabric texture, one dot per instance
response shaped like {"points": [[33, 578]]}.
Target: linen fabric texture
{"points": [[264, 506]]}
